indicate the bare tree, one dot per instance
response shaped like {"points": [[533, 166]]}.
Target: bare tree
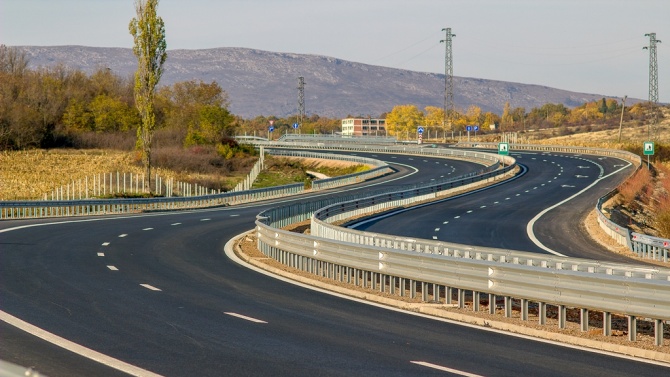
{"points": [[148, 30]]}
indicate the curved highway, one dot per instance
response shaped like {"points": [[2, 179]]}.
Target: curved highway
{"points": [[522, 215], [154, 294]]}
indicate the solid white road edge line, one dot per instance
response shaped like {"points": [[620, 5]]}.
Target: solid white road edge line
{"points": [[531, 223], [250, 319], [228, 248], [76, 348], [445, 369]]}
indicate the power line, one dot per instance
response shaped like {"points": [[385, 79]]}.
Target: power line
{"points": [[448, 77], [301, 100], [653, 78]]}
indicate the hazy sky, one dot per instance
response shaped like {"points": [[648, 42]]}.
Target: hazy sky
{"points": [[591, 46]]}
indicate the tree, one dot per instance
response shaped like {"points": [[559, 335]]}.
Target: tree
{"points": [[507, 120], [435, 118], [148, 31], [404, 119]]}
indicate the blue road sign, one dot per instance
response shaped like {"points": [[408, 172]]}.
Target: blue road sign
{"points": [[468, 128], [271, 128], [295, 125], [420, 130], [476, 128]]}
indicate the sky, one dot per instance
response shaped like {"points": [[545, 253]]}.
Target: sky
{"points": [[590, 46]]}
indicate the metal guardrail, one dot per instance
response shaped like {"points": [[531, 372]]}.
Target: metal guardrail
{"points": [[337, 139], [434, 277], [58, 208], [644, 246], [380, 168], [88, 207], [375, 260], [323, 219]]}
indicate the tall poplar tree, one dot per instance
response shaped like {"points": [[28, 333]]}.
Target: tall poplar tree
{"points": [[148, 31]]}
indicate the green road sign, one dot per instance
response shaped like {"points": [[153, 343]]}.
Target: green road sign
{"points": [[503, 149], [648, 148]]}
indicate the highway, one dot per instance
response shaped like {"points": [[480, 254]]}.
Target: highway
{"points": [[499, 217], [156, 294]]}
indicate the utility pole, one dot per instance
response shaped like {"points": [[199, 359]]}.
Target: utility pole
{"points": [[653, 77], [448, 79], [301, 100], [623, 105]]}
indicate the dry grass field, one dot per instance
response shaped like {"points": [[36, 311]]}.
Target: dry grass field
{"points": [[28, 175]]}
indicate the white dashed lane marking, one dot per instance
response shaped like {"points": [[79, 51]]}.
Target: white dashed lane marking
{"points": [[175, 224], [112, 268], [205, 219], [250, 319], [445, 369], [101, 254], [105, 244], [148, 229], [122, 235], [150, 287]]}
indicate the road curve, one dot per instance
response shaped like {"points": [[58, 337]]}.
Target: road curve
{"points": [[155, 292]]}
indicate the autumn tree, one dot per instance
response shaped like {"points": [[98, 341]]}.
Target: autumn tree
{"points": [[148, 31], [435, 118], [404, 119], [507, 120]]}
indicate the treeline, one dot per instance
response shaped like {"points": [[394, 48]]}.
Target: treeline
{"points": [[59, 107], [606, 113]]}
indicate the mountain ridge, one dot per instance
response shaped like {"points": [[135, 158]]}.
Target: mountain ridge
{"points": [[265, 83]]}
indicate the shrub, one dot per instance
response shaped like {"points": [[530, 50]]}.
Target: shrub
{"points": [[634, 189]]}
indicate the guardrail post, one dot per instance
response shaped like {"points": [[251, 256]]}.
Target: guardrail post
{"points": [[632, 328], [476, 296], [461, 298], [492, 303], [584, 319], [607, 323], [562, 313], [658, 332], [508, 307], [542, 313], [524, 309], [449, 292]]}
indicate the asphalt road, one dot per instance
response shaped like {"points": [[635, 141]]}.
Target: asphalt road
{"points": [[499, 216], [156, 292]]}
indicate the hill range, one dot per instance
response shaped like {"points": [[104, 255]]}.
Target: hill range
{"points": [[266, 83]]}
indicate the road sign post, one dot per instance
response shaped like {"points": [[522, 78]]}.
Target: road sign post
{"points": [[420, 132], [503, 150], [648, 150]]}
